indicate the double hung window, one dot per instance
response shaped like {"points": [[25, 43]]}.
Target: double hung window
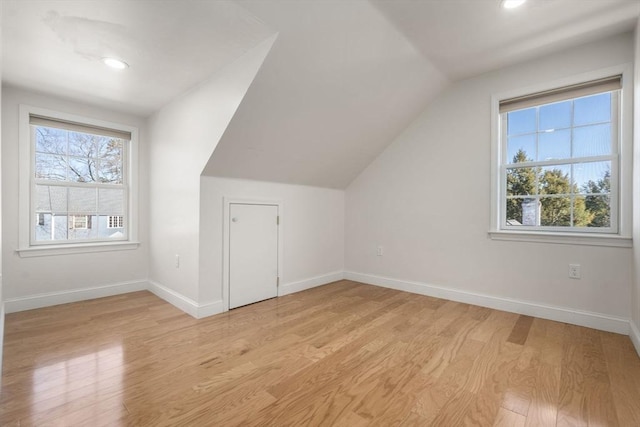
{"points": [[560, 157], [79, 189]]}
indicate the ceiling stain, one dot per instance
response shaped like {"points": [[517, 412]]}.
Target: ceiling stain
{"points": [[89, 38]]}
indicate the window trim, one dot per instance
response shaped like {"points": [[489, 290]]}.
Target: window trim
{"points": [[622, 237], [26, 152]]}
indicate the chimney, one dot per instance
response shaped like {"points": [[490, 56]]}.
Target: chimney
{"points": [[531, 211]]}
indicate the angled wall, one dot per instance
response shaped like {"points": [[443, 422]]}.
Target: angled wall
{"points": [[183, 136], [426, 200]]}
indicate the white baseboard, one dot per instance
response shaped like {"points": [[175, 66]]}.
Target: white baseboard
{"points": [[575, 317], [30, 302], [290, 288], [209, 309], [634, 334], [185, 304]]}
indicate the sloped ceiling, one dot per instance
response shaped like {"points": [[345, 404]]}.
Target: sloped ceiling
{"points": [[342, 80], [468, 37], [346, 77], [338, 85]]}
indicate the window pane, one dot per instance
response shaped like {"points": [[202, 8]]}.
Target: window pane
{"points": [[521, 121], [555, 116], [51, 140], [51, 166], [554, 145], [60, 227], [83, 227], [592, 141], [555, 180], [592, 109], [110, 153], [54, 228], [51, 199], [555, 211], [115, 231], [82, 200], [594, 177], [524, 211], [83, 144], [599, 210], [43, 227], [521, 181], [82, 169], [111, 201], [521, 148]]}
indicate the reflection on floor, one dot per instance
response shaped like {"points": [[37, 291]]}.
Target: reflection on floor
{"points": [[342, 354]]}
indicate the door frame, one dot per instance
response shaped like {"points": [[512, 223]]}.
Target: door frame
{"points": [[226, 225]]}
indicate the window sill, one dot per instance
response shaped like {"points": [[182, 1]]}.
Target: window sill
{"points": [[80, 248], [588, 239]]}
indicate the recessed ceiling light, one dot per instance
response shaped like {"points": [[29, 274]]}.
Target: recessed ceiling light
{"points": [[512, 4], [115, 63]]}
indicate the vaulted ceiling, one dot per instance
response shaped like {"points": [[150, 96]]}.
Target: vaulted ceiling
{"points": [[341, 81]]}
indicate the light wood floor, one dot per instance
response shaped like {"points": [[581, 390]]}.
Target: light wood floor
{"points": [[343, 354]]}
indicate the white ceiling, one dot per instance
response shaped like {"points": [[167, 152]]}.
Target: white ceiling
{"points": [[467, 37], [338, 85], [343, 78], [171, 46]]}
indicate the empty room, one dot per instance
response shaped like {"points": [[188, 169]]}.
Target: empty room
{"points": [[320, 213]]}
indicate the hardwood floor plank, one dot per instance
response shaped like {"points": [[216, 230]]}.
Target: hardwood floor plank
{"points": [[343, 354], [624, 376], [520, 330], [507, 418]]}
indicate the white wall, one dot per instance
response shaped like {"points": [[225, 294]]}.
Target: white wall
{"points": [[426, 200], [312, 224], [635, 294], [184, 134], [26, 277], [1, 293]]}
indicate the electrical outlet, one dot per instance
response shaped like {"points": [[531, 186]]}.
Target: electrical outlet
{"points": [[177, 261], [574, 271], [380, 251]]}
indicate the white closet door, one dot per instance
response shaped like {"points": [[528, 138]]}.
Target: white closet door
{"points": [[253, 253]]}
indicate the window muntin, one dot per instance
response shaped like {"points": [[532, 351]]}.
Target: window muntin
{"points": [[559, 158], [79, 180]]}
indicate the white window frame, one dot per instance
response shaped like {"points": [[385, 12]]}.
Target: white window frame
{"points": [[619, 236], [27, 248]]}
